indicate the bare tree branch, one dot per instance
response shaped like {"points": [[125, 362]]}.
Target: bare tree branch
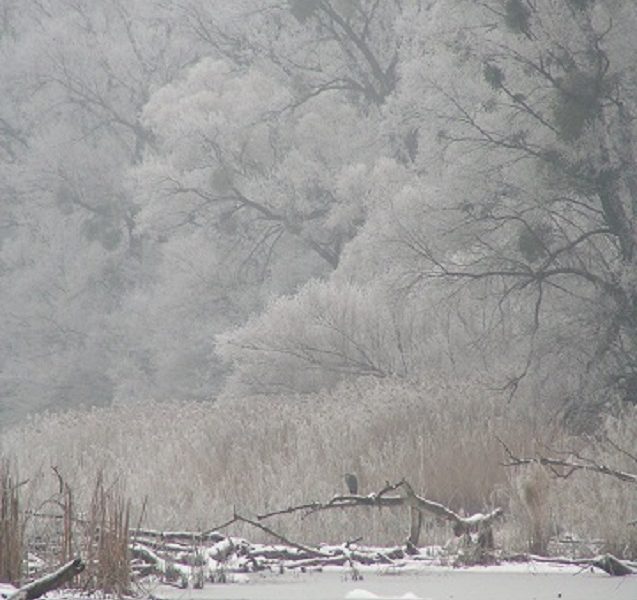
{"points": [[571, 466]]}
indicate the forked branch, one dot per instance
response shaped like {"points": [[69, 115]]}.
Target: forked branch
{"points": [[477, 523]]}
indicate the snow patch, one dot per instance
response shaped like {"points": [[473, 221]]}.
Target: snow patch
{"points": [[6, 589], [360, 594]]}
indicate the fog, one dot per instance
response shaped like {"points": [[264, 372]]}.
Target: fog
{"points": [[412, 223]]}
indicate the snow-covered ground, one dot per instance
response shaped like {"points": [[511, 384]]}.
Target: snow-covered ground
{"points": [[6, 589], [507, 582]]}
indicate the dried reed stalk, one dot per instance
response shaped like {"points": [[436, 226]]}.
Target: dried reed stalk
{"points": [[107, 541]]}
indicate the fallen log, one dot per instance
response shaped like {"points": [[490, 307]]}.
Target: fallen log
{"points": [[476, 529], [479, 523], [612, 565], [606, 562], [49, 582], [187, 538]]}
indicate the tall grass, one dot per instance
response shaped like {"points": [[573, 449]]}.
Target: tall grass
{"points": [[196, 463]]}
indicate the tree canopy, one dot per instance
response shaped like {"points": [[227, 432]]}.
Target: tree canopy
{"points": [[212, 198]]}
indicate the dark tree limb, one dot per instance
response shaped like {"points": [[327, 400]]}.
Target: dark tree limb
{"points": [[45, 584], [563, 469], [477, 523], [605, 562], [278, 536], [349, 501], [612, 565], [240, 519]]}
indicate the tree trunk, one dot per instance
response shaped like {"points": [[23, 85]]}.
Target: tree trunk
{"points": [[415, 527]]}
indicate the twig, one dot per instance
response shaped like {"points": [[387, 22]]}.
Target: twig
{"points": [[339, 502], [281, 538]]}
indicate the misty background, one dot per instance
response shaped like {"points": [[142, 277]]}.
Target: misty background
{"points": [[258, 213], [205, 198]]}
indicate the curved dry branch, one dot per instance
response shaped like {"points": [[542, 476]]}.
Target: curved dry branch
{"points": [[563, 468], [475, 523]]}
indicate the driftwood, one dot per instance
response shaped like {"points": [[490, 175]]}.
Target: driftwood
{"points": [[49, 582], [222, 560], [193, 557], [218, 563], [187, 557]]}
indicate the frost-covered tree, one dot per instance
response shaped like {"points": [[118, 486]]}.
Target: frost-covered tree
{"points": [[240, 169], [320, 46], [74, 78], [455, 179], [261, 151], [516, 122], [527, 129]]}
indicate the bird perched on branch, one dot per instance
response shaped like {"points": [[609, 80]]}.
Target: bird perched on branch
{"points": [[352, 483]]}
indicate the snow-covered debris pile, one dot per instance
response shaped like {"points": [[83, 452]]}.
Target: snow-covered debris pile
{"points": [[192, 559]]}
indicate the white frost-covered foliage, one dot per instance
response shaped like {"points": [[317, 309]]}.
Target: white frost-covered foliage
{"points": [[519, 141], [232, 153], [527, 128], [186, 162], [327, 332]]}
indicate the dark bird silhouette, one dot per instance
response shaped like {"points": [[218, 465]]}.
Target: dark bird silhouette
{"points": [[352, 483]]}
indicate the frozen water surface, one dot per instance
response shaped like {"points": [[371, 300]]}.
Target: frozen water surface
{"points": [[470, 584]]}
